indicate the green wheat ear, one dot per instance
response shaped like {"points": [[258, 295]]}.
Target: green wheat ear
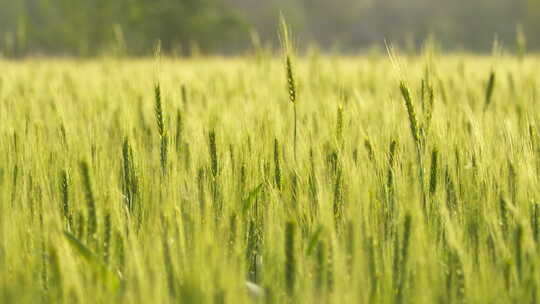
{"points": [[158, 110], [489, 90], [290, 78], [277, 166], [288, 50], [433, 172], [179, 130], [129, 179], [212, 146], [413, 122], [64, 191], [90, 200], [339, 125], [160, 121], [418, 139]]}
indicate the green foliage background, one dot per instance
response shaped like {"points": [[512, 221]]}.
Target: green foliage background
{"points": [[93, 27]]}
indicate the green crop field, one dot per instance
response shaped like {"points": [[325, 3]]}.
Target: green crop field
{"points": [[259, 179]]}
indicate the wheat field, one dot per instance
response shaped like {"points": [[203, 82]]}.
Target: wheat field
{"points": [[410, 179]]}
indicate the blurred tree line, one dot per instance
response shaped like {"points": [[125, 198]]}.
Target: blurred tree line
{"points": [[350, 25], [92, 27]]}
